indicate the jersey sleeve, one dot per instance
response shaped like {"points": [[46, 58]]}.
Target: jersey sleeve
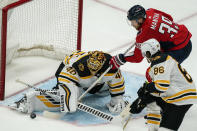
{"points": [[135, 56], [161, 74], [117, 85], [148, 75]]}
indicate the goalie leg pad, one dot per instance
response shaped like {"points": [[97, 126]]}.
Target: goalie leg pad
{"points": [[69, 94], [37, 101]]}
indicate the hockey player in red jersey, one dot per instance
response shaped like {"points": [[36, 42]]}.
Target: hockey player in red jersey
{"points": [[174, 39]]}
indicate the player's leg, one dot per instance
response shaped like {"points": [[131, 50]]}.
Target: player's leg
{"points": [[182, 54], [172, 115], [153, 116]]}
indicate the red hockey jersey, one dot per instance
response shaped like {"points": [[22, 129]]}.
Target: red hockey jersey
{"points": [[160, 26]]}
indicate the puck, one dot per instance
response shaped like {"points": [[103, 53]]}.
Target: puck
{"points": [[33, 115]]}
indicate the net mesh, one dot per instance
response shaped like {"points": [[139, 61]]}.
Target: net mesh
{"points": [[43, 27], [38, 28]]}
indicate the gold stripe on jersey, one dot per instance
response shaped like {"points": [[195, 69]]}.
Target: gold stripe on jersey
{"points": [[109, 74], [63, 80], [160, 88], [163, 81], [86, 77], [66, 60], [153, 122], [82, 56], [180, 93], [168, 57], [182, 99], [154, 115], [162, 85], [68, 75], [181, 96], [117, 84], [121, 89]]}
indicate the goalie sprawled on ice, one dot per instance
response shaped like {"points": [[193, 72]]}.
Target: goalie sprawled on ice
{"points": [[74, 75]]}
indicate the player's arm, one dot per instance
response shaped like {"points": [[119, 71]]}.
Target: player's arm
{"points": [[148, 78], [120, 59], [135, 56], [61, 66]]}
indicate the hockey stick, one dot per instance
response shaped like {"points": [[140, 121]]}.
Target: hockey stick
{"points": [[37, 89], [82, 107], [92, 86]]}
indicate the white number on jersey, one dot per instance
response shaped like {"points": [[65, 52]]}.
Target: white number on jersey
{"points": [[168, 25]]}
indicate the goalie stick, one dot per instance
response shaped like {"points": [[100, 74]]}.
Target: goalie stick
{"points": [[108, 117]]}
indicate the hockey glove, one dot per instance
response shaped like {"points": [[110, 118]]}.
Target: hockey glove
{"points": [[137, 106], [149, 88], [116, 105], [117, 61]]}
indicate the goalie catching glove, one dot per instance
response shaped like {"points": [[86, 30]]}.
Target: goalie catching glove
{"points": [[116, 105]]}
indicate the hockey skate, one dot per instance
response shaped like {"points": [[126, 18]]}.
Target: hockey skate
{"points": [[21, 105]]}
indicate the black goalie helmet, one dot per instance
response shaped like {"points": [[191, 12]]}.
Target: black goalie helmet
{"points": [[136, 12]]}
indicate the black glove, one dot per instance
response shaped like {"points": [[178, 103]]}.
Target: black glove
{"points": [[137, 106], [142, 91], [148, 88]]}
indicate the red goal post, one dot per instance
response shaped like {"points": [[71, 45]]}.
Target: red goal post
{"points": [[50, 28]]}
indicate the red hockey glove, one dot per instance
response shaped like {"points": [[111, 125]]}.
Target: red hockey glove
{"points": [[117, 61]]}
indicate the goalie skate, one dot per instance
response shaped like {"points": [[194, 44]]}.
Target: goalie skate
{"points": [[21, 105]]}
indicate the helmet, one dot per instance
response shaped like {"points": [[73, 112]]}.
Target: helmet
{"points": [[136, 12], [95, 61], [152, 46]]}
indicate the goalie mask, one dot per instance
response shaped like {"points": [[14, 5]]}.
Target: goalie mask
{"points": [[96, 61]]}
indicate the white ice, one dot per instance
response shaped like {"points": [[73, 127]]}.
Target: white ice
{"points": [[104, 28]]}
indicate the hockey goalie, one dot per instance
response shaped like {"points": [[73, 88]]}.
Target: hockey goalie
{"points": [[75, 74]]}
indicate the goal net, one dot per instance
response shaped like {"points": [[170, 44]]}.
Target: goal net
{"points": [[50, 28]]}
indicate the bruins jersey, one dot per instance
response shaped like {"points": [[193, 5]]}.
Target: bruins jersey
{"points": [[76, 69], [172, 80]]}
